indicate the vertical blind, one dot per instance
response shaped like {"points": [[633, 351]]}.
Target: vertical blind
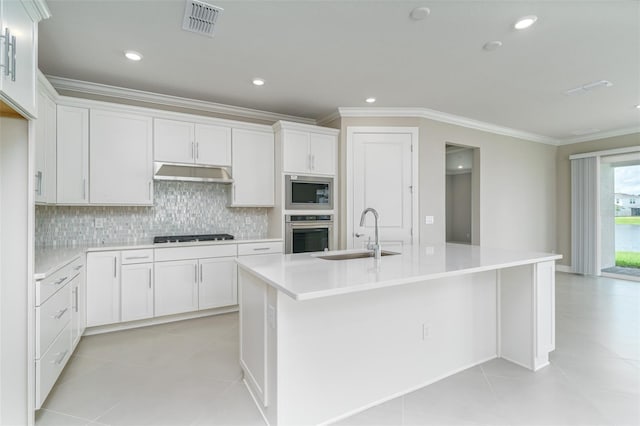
{"points": [[584, 215]]}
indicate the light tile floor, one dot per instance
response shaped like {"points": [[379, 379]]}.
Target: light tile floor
{"points": [[187, 373]]}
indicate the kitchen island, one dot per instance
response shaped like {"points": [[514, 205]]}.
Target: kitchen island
{"points": [[321, 340]]}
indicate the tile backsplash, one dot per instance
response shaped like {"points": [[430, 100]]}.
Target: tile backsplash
{"points": [[179, 208]]}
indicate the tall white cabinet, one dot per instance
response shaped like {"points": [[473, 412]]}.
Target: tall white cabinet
{"points": [[253, 168], [121, 156], [45, 141], [72, 155]]}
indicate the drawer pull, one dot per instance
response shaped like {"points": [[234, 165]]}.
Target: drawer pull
{"points": [[261, 249], [60, 313], [62, 357], [136, 257], [77, 268], [60, 281]]}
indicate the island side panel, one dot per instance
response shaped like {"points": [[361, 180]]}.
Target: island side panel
{"points": [[339, 355], [527, 314]]}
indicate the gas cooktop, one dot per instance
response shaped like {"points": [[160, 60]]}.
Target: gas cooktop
{"points": [[191, 238]]}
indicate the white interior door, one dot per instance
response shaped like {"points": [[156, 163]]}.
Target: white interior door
{"points": [[382, 179]]}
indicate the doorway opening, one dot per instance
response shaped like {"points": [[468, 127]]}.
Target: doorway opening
{"points": [[620, 214], [462, 194]]}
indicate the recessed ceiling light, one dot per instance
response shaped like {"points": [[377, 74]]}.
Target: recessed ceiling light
{"points": [[419, 13], [460, 166], [638, 106], [132, 55], [370, 100], [525, 22], [258, 82], [492, 45]]}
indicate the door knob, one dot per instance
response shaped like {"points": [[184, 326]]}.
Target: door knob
{"points": [[358, 235]]}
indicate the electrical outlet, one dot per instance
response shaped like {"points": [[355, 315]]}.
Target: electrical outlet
{"points": [[99, 223], [426, 331], [428, 220]]}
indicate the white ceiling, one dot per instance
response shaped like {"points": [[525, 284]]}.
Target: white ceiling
{"points": [[319, 55]]}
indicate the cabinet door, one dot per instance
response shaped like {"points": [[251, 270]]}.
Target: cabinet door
{"points": [[323, 154], [137, 291], [218, 286], [173, 141], [120, 158], [103, 288], [40, 149], [73, 155], [19, 87], [296, 152], [48, 180], [213, 145], [176, 287], [252, 168]]}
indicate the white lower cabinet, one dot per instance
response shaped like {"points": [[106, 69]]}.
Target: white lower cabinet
{"points": [[103, 288], [59, 323], [218, 283], [136, 287], [176, 287]]}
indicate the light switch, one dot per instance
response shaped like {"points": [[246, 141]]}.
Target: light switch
{"points": [[428, 220]]}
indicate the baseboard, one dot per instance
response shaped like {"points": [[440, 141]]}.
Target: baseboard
{"points": [[159, 320], [564, 268]]}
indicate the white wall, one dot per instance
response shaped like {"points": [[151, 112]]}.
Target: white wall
{"points": [[517, 183]]}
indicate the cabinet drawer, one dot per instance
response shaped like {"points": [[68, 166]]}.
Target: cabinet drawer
{"points": [[259, 248], [51, 317], [49, 367], [137, 256], [47, 287], [195, 252]]}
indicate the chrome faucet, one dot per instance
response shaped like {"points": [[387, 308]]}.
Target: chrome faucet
{"points": [[377, 250]]}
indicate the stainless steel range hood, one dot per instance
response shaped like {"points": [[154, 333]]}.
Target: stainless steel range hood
{"points": [[191, 173]]}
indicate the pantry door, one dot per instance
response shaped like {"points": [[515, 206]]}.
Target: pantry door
{"points": [[383, 176]]}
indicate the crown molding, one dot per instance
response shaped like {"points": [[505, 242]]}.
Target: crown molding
{"points": [[288, 125], [601, 135], [61, 83], [446, 118], [329, 118], [46, 86]]}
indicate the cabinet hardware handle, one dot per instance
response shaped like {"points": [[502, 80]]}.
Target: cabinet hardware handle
{"points": [[77, 268], [198, 150], [136, 257], [358, 235], [196, 273], [62, 357], [75, 294], [201, 273], [193, 150], [61, 280], [149, 277], [261, 248], [60, 313], [84, 189], [14, 49], [39, 183], [150, 190], [115, 266], [7, 44]]}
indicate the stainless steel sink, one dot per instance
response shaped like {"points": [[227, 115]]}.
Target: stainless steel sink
{"points": [[356, 255]]}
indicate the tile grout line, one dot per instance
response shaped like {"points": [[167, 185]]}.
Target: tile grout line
{"points": [[67, 415]]}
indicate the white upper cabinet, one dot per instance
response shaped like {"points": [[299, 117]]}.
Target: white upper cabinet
{"points": [[18, 59], [45, 151], [73, 155], [186, 142], [307, 149], [253, 169], [121, 147]]}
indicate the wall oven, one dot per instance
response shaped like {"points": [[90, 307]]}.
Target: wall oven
{"points": [[307, 233], [308, 193]]}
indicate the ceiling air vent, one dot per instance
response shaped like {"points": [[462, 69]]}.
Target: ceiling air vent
{"points": [[200, 17]]}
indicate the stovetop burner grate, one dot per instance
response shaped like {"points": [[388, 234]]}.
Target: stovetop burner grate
{"points": [[191, 238]]}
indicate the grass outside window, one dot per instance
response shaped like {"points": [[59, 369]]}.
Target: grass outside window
{"points": [[628, 259]]}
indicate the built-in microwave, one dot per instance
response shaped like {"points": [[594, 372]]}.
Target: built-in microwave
{"points": [[308, 193]]}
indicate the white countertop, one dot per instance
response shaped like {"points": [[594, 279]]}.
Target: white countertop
{"points": [[304, 276], [50, 259]]}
